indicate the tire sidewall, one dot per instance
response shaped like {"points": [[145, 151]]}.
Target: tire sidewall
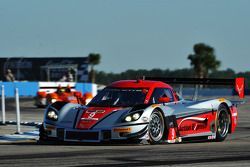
{"points": [[160, 115], [219, 137]]}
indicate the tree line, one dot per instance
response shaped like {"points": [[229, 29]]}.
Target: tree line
{"points": [[203, 64], [106, 78]]}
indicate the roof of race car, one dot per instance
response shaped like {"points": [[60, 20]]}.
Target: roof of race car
{"points": [[139, 84]]}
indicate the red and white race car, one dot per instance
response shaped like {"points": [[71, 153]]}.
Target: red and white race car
{"points": [[143, 110], [63, 94]]}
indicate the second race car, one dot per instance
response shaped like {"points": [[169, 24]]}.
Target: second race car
{"points": [[63, 94]]}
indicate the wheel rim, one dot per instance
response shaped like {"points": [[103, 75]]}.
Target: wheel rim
{"points": [[223, 123], [156, 127]]}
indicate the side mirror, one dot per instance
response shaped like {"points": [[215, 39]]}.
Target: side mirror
{"points": [[164, 99]]}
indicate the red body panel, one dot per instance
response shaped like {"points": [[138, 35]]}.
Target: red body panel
{"points": [[93, 115], [139, 84], [234, 118], [69, 97], [151, 85], [196, 124], [239, 87]]}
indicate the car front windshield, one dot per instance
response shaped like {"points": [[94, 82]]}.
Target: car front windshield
{"points": [[119, 97]]}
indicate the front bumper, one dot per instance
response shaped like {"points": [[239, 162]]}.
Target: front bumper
{"points": [[130, 132]]}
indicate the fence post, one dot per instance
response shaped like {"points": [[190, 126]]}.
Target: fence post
{"points": [[18, 131], [181, 90], [3, 105], [195, 97]]}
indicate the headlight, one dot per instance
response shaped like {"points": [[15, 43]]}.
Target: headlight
{"points": [[52, 115], [133, 117], [128, 118], [136, 116], [53, 100]]}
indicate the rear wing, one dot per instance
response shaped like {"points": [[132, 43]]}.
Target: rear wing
{"points": [[238, 83]]}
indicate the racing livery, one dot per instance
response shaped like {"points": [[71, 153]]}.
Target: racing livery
{"points": [[140, 110], [65, 94]]}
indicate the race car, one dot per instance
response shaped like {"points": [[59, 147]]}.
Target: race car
{"points": [[65, 94], [142, 110]]}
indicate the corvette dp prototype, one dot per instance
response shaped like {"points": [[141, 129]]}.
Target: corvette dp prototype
{"points": [[139, 110]]}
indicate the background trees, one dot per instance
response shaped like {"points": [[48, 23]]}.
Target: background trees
{"points": [[203, 61], [94, 59]]}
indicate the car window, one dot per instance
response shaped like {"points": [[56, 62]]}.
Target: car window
{"points": [[178, 97], [159, 92], [119, 97]]}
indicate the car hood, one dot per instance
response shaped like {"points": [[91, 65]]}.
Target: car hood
{"points": [[93, 115]]}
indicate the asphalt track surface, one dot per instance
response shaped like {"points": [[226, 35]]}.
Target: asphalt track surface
{"points": [[234, 151]]}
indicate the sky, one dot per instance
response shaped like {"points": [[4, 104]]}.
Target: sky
{"points": [[129, 34]]}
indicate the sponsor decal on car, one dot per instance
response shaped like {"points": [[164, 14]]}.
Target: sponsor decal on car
{"points": [[95, 111], [211, 137], [221, 99], [155, 105], [200, 123], [90, 117], [126, 130], [239, 86], [192, 127]]}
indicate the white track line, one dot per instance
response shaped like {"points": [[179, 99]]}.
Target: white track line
{"points": [[32, 135]]}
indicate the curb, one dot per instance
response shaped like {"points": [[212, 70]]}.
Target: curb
{"points": [[25, 137], [37, 124], [3, 142]]}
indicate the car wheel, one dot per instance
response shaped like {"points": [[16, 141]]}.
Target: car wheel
{"points": [[156, 127], [223, 123], [44, 139]]}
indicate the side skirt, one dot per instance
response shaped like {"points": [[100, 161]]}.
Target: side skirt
{"points": [[199, 137]]}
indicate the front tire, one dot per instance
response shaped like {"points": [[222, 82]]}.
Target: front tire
{"points": [[156, 127], [223, 123]]}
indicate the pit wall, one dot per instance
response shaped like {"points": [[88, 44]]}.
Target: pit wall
{"points": [[31, 88]]}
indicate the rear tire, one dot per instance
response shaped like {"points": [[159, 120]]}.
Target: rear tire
{"points": [[223, 123], [156, 127]]}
